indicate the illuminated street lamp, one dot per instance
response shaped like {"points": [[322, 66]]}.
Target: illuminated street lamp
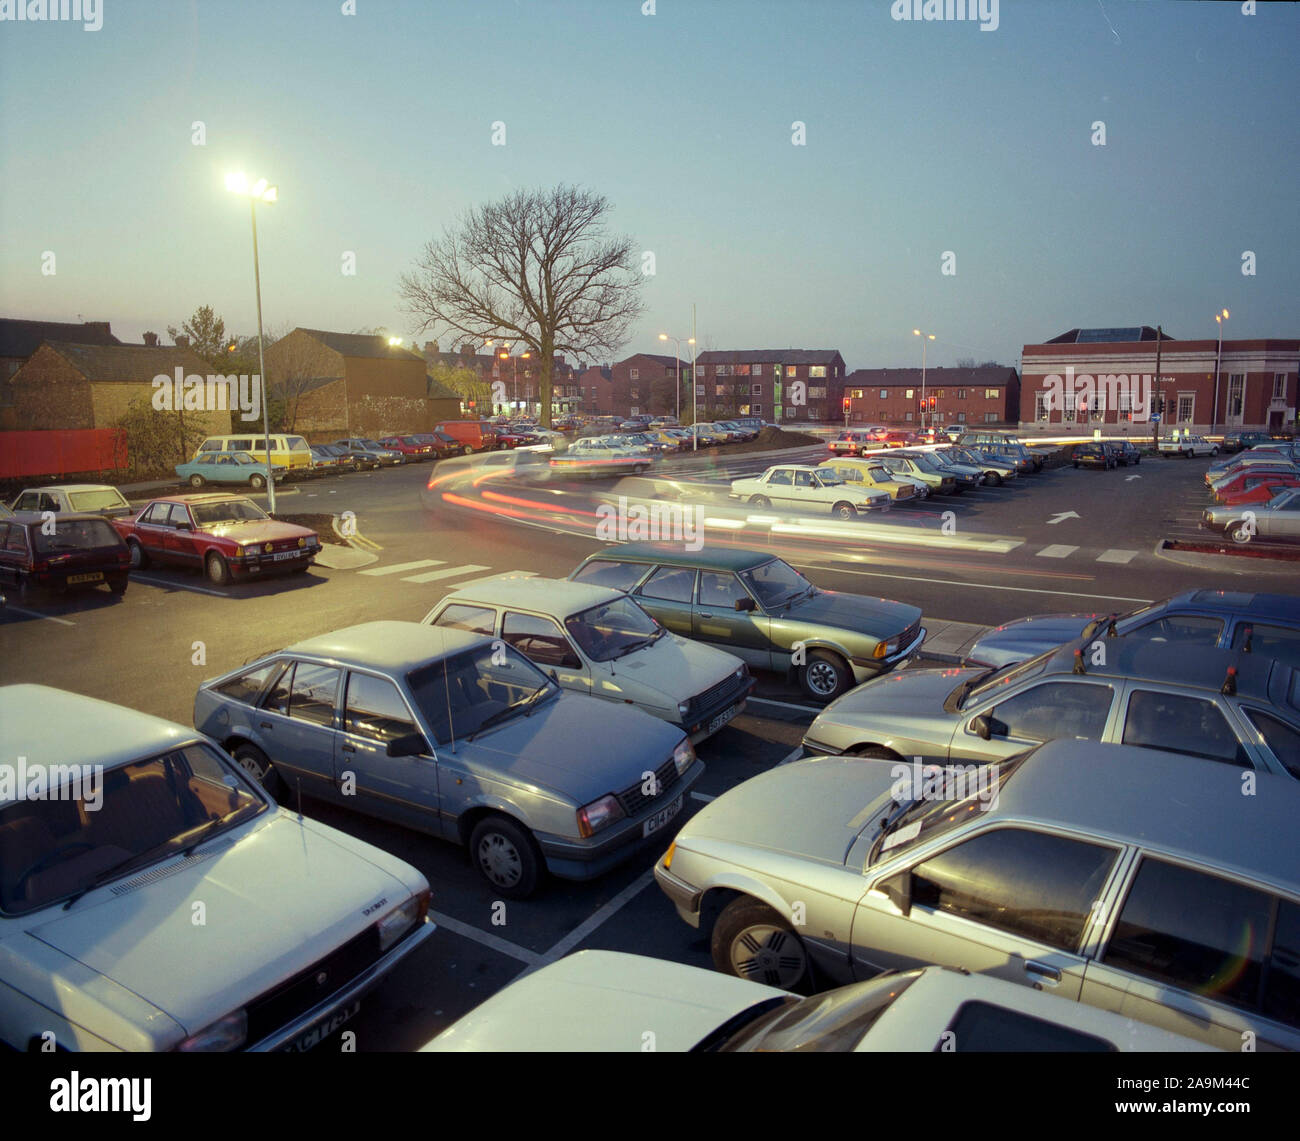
{"points": [[514, 366], [677, 353], [1219, 319], [924, 337]]}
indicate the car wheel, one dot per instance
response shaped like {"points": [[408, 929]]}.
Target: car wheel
{"points": [[505, 856], [218, 570], [117, 583], [469, 449], [760, 501], [824, 676], [844, 511], [196, 480], [1214, 451], [139, 560], [257, 481], [751, 941], [258, 765], [1241, 533]]}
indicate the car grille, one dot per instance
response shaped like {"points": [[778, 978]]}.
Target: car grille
{"points": [[714, 696], [908, 636], [292, 999], [633, 799]]}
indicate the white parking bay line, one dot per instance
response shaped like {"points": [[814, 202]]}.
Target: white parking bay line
{"points": [[597, 917], [703, 797], [487, 939], [1056, 551], [398, 568], [793, 755], [33, 614], [177, 586], [782, 704], [1117, 556], [450, 572]]}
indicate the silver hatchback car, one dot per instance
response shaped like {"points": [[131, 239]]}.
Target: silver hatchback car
{"points": [[460, 736]]}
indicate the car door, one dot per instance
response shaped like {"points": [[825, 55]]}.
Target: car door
{"points": [[807, 493], [778, 486], [152, 529], [1282, 518], [539, 638], [10, 559], [716, 620], [1200, 954], [179, 543], [1160, 717], [296, 726], [402, 789], [1041, 711], [1012, 901], [667, 595]]}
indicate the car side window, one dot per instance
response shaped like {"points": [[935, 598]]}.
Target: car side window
{"points": [[1271, 641], [1193, 930], [17, 541], [721, 590], [156, 514], [1185, 629], [1281, 739], [848, 474], [803, 479], [781, 477], [671, 584], [247, 686], [539, 639], [1031, 884], [306, 693], [1179, 724], [1282, 985], [374, 708], [460, 616], [604, 572], [27, 501], [1053, 709], [180, 514]]}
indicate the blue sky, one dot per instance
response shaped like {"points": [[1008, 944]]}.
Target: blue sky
{"points": [[921, 138]]}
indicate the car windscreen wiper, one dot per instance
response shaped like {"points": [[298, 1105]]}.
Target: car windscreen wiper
{"points": [[510, 711], [113, 871], [954, 700], [887, 825]]}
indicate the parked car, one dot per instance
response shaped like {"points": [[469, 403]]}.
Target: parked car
{"points": [[598, 642], [81, 550], [1105, 873], [1255, 486], [1239, 441], [868, 473], [1093, 453], [226, 468], [287, 451], [348, 460], [1129, 453], [411, 448], [1278, 519], [459, 736], [1187, 445], [472, 435], [796, 487], [965, 476], [939, 482], [85, 498], [101, 885], [1256, 457], [1218, 704], [994, 470], [762, 610], [224, 536], [851, 443], [744, 430], [1191, 619], [706, 435], [371, 451], [325, 462], [1025, 459], [599, 1000]]}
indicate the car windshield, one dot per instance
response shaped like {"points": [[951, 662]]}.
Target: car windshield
{"points": [[477, 688], [830, 478], [1007, 675], [96, 500], [75, 535], [927, 463], [373, 445], [227, 511], [612, 629], [296, 444], [775, 583], [96, 825]]}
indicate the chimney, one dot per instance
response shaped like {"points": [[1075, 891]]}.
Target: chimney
{"points": [[467, 349], [182, 342], [430, 347], [151, 339]]}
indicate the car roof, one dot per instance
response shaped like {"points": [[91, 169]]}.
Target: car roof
{"points": [[391, 646], [36, 517], [53, 726], [715, 558], [70, 487], [1246, 604], [1179, 804], [549, 595]]}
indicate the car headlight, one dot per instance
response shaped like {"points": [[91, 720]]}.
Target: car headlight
{"points": [[742, 672], [599, 814], [682, 707], [401, 919], [302, 543], [243, 552], [683, 755], [225, 1034]]}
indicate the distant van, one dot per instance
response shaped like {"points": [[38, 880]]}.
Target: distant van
{"points": [[291, 452], [474, 435]]}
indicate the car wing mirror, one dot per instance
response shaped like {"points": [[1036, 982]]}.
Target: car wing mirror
{"points": [[898, 890], [184, 527], [408, 745], [746, 604], [982, 726]]}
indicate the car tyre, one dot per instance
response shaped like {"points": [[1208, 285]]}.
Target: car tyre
{"points": [[218, 570], [257, 481], [506, 856], [139, 560], [844, 511], [824, 676], [751, 941], [196, 480], [117, 583], [760, 501], [1241, 533], [258, 765]]}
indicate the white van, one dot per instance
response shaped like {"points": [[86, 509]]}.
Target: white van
{"points": [[287, 451]]}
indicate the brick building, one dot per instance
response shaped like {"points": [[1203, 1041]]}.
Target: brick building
{"points": [[517, 374], [763, 382], [19, 339], [1110, 375], [974, 396]]}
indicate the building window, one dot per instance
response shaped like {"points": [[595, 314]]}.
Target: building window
{"points": [[817, 370], [911, 393], [908, 417], [1186, 407], [1236, 388], [961, 417], [1279, 385], [742, 370], [723, 370], [857, 393], [756, 390], [634, 374], [1040, 405], [990, 417], [961, 394], [884, 394], [992, 393], [756, 369]]}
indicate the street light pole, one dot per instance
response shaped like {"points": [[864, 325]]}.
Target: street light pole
{"points": [[695, 389], [924, 337], [677, 355], [1219, 319]]}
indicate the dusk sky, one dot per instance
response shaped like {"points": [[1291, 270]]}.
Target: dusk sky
{"points": [[921, 138]]}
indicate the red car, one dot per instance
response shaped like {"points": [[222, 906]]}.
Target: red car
{"points": [[443, 444], [412, 447], [897, 438], [224, 536], [1255, 486]]}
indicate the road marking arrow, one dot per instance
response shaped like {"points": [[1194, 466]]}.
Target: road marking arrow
{"points": [[1064, 515], [1131, 478]]}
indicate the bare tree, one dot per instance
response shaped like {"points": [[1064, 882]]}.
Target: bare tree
{"points": [[537, 266]]}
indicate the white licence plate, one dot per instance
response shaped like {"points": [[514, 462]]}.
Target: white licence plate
{"points": [[97, 576], [284, 555], [660, 818], [322, 1030], [721, 719]]}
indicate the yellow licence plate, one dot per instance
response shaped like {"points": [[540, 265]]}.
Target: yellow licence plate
{"points": [[98, 576]]}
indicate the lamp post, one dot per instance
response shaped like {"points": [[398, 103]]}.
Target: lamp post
{"points": [[257, 191], [695, 390], [1219, 319], [924, 337], [677, 355], [514, 368]]}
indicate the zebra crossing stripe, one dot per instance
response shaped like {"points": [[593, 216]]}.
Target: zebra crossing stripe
{"points": [[1113, 556], [399, 568], [1056, 551], [450, 572]]}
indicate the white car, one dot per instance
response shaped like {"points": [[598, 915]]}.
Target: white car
{"points": [[598, 455], [1188, 445], [802, 488], [153, 897], [97, 498], [597, 641], [607, 1001]]}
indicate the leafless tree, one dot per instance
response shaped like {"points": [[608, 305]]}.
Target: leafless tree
{"points": [[537, 266]]}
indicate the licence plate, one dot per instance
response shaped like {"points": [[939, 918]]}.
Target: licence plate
{"points": [[660, 818], [97, 576], [322, 1030], [284, 555], [721, 719]]}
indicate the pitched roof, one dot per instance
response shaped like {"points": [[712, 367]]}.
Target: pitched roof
{"points": [[360, 345], [138, 363], [20, 338], [770, 356], [911, 377], [661, 358], [439, 391]]}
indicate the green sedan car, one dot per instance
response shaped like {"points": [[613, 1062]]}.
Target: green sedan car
{"points": [[764, 611]]}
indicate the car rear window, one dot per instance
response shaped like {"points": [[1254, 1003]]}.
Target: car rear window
{"points": [[983, 1027], [76, 535], [606, 572], [96, 500]]}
